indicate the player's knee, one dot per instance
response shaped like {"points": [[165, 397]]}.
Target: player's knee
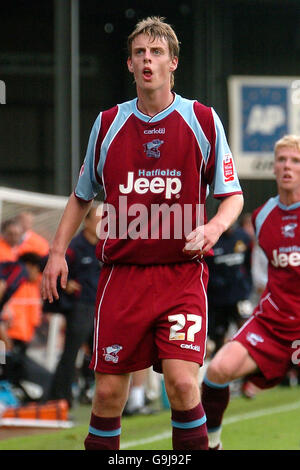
{"points": [[219, 371], [106, 393], [181, 388]]}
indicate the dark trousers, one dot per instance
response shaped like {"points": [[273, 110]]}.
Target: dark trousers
{"points": [[20, 367], [79, 330]]}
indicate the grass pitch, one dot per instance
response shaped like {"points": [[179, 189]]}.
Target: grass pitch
{"points": [[270, 421]]}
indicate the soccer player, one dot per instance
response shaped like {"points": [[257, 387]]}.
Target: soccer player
{"points": [[154, 157], [263, 348]]}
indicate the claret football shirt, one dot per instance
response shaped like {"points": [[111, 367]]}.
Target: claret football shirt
{"points": [[155, 173], [278, 232]]}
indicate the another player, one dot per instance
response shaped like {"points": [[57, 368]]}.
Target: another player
{"points": [[263, 348], [154, 157], [230, 283]]}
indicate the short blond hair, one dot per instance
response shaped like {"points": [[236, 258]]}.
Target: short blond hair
{"points": [[289, 140], [155, 27]]}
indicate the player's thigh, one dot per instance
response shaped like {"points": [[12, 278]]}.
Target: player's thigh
{"points": [[231, 362], [181, 324], [124, 336]]}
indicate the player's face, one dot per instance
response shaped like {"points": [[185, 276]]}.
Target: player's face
{"points": [[287, 169], [13, 234], [151, 63]]}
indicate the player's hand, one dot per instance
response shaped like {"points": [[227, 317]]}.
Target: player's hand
{"points": [[55, 267], [202, 239]]}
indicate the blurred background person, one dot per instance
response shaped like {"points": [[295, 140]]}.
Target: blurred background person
{"points": [[23, 309], [245, 221], [10, 239], [31, 241], [138, 400], [78, 303], [21, 315]]}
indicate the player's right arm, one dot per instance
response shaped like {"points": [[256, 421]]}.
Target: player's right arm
{"points": [[56, 266]]}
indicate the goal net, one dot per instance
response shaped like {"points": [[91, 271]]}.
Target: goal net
{"points": [[47, 209]]}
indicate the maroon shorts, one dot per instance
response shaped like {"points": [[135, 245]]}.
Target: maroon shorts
{"points": [[148, 313], [272, 354]]}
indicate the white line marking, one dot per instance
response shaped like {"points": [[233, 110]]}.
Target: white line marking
{"points": [[259, 413], [226, 421]]}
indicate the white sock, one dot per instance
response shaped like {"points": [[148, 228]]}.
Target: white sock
{"points": [[214, 438], [136, 398]]}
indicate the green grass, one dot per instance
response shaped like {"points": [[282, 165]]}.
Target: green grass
{"points": [[272, 430]]}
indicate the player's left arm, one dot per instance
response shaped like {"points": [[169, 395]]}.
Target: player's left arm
{"points": [[204, 237]]}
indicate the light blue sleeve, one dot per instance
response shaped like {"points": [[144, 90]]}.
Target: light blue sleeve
{"points": [[225, 178], [88, 186]]}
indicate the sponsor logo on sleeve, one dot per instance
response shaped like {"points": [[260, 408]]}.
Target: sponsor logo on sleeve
{"points": [[228, 168], [81, 170]]}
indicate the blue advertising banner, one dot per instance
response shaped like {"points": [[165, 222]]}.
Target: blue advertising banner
{"points": [[262, 110]]}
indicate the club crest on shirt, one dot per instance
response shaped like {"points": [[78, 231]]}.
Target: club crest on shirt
{"points": [[111, 353], [253, 338], [288, 230], [152, 148]]}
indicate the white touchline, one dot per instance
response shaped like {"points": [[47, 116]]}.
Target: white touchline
{"points": [[147, 440], [226, 421]]}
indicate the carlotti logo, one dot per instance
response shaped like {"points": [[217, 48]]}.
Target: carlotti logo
{"points": [[161, 130]]}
